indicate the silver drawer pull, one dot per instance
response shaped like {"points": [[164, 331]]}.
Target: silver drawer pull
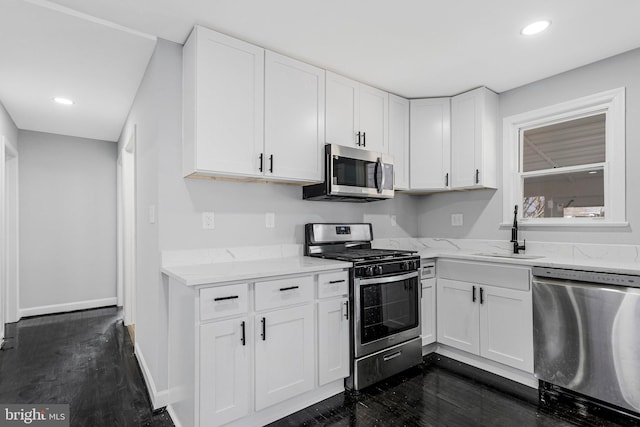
{"points": [[391, 356], [226, 298], [289, 288], [333, 282]]}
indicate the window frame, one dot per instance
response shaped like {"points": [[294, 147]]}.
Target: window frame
{"points": [[612, 104]]}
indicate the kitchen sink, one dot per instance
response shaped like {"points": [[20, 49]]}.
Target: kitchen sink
{"points": [[512, 256]]}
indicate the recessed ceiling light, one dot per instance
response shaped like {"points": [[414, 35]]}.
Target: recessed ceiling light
{"points": [[63, 101], [535, 28]]}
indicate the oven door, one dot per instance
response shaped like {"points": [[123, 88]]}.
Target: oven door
{"points": [[386, 311]]}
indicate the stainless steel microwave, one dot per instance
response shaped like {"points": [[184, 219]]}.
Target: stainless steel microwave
{"points": [[353, 175]]}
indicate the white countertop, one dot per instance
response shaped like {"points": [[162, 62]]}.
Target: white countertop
{"points": [[233, 271], [222, 265], [599, 265]]}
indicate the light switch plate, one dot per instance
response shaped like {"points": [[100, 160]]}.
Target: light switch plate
{"points": [[457, 220], [394, 221], [270, 220], [208, 220], [152, 214]]}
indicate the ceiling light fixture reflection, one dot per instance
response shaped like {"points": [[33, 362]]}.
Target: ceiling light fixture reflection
{"points": [[63, 101], [593, 172], [535, 28]]}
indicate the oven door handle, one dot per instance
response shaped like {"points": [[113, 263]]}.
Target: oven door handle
{"points": [[382, 280]]}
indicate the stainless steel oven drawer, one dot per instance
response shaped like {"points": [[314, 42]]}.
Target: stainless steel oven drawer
{"points": [[384, 364]]}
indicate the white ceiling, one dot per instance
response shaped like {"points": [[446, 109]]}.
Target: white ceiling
{"points": [[414, 48], [46, 53]]}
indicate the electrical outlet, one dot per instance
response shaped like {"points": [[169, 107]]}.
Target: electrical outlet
{"points": [[457, 220], [208, 220], [270, 220], [394, 221]]}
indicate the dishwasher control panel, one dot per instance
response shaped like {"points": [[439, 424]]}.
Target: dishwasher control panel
{"points": [[599, 277]]}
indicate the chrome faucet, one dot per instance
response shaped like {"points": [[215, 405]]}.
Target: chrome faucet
{"points": [[514, 234]]}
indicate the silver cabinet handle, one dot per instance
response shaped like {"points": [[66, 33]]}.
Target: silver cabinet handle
{"points": [[392, 356]]}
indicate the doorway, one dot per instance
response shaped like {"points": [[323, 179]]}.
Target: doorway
{"points": [[8, 235], [126, 286]]}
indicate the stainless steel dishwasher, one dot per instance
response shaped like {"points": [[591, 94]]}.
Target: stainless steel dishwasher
{"points": [[587, 334]]}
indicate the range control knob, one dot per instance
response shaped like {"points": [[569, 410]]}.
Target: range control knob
{"points": [[404, 265], [369, 271], [378, 269]]}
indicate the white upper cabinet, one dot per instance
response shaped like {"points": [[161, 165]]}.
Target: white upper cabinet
{"points": [[430, 144], [473, 139], [250, 115], [357, 115], [374, 118], [294, 119], [223, 101], [342, 110], [399, 140]]}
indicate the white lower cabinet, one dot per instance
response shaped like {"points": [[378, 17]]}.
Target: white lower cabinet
{"points": [[428, 307], [506, 327], [225, 371], [284, 347], [247, 354], [333, 340], [458, 312], [493, 322]]}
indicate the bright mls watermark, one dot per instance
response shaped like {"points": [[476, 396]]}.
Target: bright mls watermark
{"points": [[34, 415]]}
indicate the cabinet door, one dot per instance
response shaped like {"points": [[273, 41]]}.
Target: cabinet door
{"points": [[473, 139], [294, 119], [333, 340], [374, 119], [284, 357], [430, 144], [342, 110], [399, 140], [506, 327], [224, 371], [229, 107], [458, 315], [428, 311]]}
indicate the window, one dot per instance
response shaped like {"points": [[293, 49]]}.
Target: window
{"points": [[565, 164]]}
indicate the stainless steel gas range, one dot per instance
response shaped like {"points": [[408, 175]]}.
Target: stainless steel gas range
{"points": [[384, 300]]}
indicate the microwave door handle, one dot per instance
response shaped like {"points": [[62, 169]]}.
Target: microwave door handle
{"points": [[379, 170]]}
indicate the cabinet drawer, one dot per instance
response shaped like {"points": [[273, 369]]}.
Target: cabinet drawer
{"points": [[333, 284], [283, 292], [224, 301]]}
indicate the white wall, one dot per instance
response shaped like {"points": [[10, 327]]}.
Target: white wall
{"points": [[482, 209], [144, 119], [239, 207], [67, 223]]}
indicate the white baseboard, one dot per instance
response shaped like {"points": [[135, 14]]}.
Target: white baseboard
{"points": [[158, 398], [63, 308], [508, 372], [174, 417]]}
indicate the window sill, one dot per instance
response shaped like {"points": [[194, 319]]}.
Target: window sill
{"points": [[566, 224]]}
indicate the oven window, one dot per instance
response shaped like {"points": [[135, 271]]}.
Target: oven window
{"points": [[388, 308], [359, 173]]}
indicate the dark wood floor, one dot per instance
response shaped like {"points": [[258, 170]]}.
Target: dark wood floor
{"points": [[83, 358], [86, 359], [431, 395]]}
